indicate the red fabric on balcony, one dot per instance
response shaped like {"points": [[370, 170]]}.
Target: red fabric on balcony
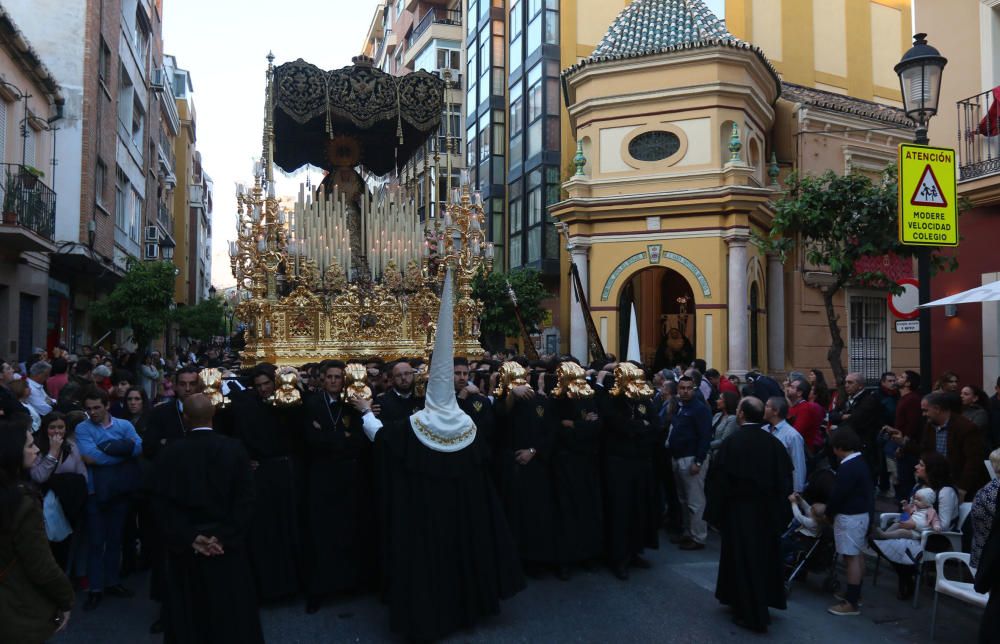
{"points": [[893, 266], [990, 125]]}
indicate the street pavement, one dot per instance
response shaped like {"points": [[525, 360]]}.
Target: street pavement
{"points": [[672, 602]]}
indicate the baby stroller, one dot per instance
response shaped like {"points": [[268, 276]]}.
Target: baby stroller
{"points": [[802, 553]]}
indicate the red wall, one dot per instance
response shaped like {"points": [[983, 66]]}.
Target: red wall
{"points": [[957, 343]]}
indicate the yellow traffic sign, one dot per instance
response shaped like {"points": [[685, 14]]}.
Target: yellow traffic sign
{"points": [[928, 215]]}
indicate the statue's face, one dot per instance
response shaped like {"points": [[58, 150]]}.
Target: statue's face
{"points": [[573, 381], [630, 381], [512, 375]]}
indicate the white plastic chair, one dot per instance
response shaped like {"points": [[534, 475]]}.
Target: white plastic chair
{"points": [[954, 538], [960, 590]]}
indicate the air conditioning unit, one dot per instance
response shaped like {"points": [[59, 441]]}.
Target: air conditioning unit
{"points": [[152, 235], [157, 79], [152, 251]]}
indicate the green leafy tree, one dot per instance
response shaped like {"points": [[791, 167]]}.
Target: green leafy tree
{"points": [[498, 320], [202, 320], [140, 301], [835, 221]]}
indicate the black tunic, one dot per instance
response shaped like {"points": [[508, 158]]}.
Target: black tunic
{"points": [[268, 434], [339, 508], [632, 499], [526, 490], [202, 486], [452, 556], [163, 427], [480, 409], [751, 478], [576, 480]]}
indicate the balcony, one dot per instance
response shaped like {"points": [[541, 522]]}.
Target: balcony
{"points": [[29, 210], [434, 17], [163, 217], [196, 196], [979, 135], [165, 149]]}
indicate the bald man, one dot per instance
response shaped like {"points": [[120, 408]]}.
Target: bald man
{"points": [[203, 502], [862, 412]]}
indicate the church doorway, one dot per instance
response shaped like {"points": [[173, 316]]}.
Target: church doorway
{"points": [[664, 310]]}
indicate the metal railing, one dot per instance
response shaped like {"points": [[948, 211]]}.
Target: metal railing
{"points": [[163, 216], [434, 16], [167, 149], [27, 201], [381, 46], [979, 135]]}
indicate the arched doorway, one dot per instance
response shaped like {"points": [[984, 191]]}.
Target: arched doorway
{"points": [[664, 311]]}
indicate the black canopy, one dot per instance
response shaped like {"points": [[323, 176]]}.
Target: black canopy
{"points": [[360, 105]]}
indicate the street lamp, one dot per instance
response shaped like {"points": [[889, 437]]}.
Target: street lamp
{"points": [[919, 72], [167, 248], [211, 292]]}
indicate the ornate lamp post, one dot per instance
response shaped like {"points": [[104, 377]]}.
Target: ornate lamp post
{"points": [[919, 72]]}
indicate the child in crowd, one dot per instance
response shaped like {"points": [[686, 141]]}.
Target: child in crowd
{"points": [[916, 517]]}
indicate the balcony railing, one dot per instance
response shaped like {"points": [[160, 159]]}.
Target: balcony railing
{"points": [[163, 216], [434, 16], [27, 201], [381, 46], [167, 150], [979, 135]]}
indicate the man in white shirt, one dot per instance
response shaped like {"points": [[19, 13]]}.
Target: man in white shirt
{"points": [[39, 399], [775, 412]]}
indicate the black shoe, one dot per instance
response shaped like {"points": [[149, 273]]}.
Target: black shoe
{"points": [[641, 562], [620, 571], [93, 601], [562, 572], [313, 605], [119, 591], [679, 539], [691, 544], [156, 627]]}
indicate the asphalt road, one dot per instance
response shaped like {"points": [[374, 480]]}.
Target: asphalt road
{"points": [[672, 602]]}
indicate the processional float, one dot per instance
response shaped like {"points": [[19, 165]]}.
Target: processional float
{"points": [[355, 268]]}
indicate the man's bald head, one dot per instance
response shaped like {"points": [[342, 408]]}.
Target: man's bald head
{"points": [[198, 411]]}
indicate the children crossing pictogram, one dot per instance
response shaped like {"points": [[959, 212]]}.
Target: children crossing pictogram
{"points": [[928, 191]]}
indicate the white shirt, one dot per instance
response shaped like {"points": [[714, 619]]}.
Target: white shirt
{"points": [[371, 424], [796, 448], [39, 400]]}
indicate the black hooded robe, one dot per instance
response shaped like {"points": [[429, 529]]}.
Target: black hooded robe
{"points": [[267, 433], [451, 553], [576, 480], [748, 501]]}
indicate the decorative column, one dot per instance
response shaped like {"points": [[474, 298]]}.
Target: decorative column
{"points": [[738, 332], [577, 325], [775, 314]]}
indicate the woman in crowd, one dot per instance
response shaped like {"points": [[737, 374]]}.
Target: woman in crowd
{"points": [[820, 393], [137, 408], [947, 382], [21, 393], [59, 467], [149, 377], [984, 508], [975, 407], [932, 471], [724, 422], [35, 595]]}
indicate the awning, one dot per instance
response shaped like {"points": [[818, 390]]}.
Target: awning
{"points": [[985, 293]]}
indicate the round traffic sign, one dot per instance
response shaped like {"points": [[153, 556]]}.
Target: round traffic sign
{"points": [[904, 305]]}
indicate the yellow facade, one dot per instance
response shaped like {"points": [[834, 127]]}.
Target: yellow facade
{"points": [[184, 148], [843, 46]]}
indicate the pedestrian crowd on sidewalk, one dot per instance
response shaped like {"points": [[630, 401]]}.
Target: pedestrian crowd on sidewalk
{"points": [[589, 462]]}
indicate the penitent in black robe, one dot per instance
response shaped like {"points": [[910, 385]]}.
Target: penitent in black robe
{"points": [[632, 500], [576, 480], [451, 554], [339, 508], [202, 486], [751, 478], [268, 434], [526, 490]]}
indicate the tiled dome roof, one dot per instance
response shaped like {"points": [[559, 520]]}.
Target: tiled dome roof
{"points": [[652, 26]]}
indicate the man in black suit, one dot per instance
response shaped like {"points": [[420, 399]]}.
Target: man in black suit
{"points": [[862, 412], [399, 401], [472, 401]]}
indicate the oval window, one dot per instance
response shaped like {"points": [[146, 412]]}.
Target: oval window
{"points": [[654, 146]]}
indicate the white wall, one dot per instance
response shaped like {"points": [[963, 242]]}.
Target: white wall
{"points": [[59, 43]]}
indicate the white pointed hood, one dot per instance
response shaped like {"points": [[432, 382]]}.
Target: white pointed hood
{"points": [[633, 339], [442, 425]]}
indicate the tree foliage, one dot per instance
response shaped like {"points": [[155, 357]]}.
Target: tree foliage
{"points": [[202, 320], [835, 221], [498, 320], [140, 301]]}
